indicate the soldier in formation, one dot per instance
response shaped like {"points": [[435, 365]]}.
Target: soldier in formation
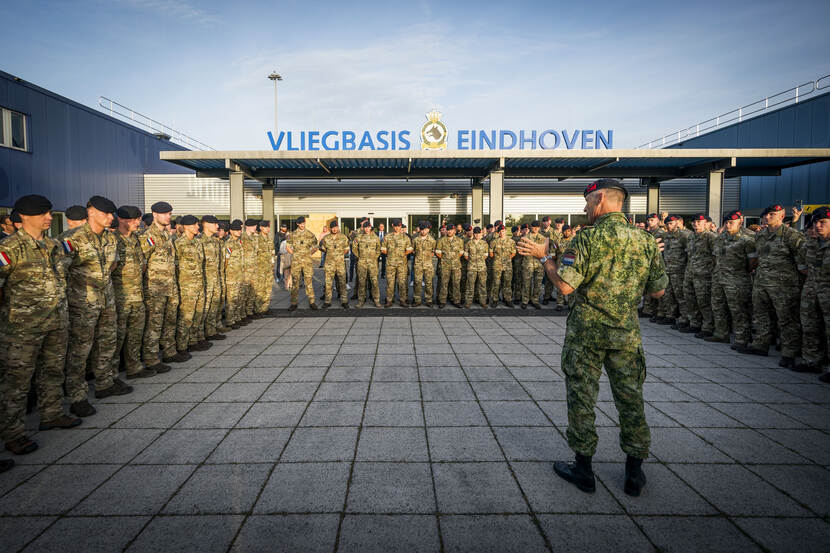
{"points": [[366, 249], [396, 246], [301, 245], [476, 253], [335, 245], [423, 266]]}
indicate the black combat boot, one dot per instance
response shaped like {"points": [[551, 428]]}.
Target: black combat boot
{"points": [[807, 368], [292, 307], [82, 409], [508, 303], [703, 334], [312, 306], [752, 350], [717, 339], [635, 478], [787, 362], [579, 473], [689, 329]]}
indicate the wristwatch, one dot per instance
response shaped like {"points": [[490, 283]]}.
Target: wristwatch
{"points": [[544, 260]]}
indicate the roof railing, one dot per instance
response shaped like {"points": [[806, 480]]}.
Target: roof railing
{"points": [[790, 96], [161, 130]]}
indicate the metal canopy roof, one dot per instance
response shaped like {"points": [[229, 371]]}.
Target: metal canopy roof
{"points": [[657, 164]]}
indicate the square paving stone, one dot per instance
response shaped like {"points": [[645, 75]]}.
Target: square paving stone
{"points": [[53, 445], [393, 413], [314, 360], [88, 535], [747, 445], [695, 414], [542, 374], [514, 413], [135, 490], [384, 533], [392, 444], [18, 531], [394, 391], [680, 445], [365, 359], [142, 392], [289, 391], [181, 446], [197, 534], [272, 414], [704, 392], [304, 488], [349, 374], [664, 494], [807, 484], [391, 488], [695, 534], [395, 374], [238, 392], [321, 444], [220, 489], [756, 415], [488, 374], [333, 413], [454, 413], [447, 391], [287, 534], [230, 361], [342, 391], [595, 533], [214, 415], [257, 374], [184, 392], [394, 360], [492, 533], [495, 391], [153, 415], [738, 492], [481, 360], [477, 488], [302, 374], [54, 490], [437, 360], [210, 375], [112, 446], [533, 444], [811, 535], [251, 446], [463, 444], [548, 493], [441, 374]]}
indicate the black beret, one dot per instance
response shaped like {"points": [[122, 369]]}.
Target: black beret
{"points": [[188, 220], [545, 218], [514, 228], [699, 217], [114, 224], [499, 222], [299, 220], [653, 216], [16, 216], [32, 204], [128, 212], [605, 183], [490, 225], [395, 222], [209, 219], [425, 224], [75, 213], [177, 220], [147, 218], [283, 225], [524, 226], [161, 207], [333, 224], [366, 224], [535, 224], [499, 228], [566, 227], [102, 204], [236, 224], [251, 222], [671, 218], [467, 227], [476, 230], [265, 223], [225, 225], [559, 220], [776, 207], [765, 211], [822, 212]]}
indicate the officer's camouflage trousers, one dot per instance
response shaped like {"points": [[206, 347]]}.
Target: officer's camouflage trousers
{"points": [[476, 284], [531, 282], [212, 314], [517, 277], [302, 270], [463, 282], [93, 331], [234, 311], [423, 275], [697, 290], [650, 305], [450, 277], [815, 321], [191, 306], [781, 300], [264, 287], [21, 355], [336, 270], [626, 370], [502, 282], [131, 319], [732, 299], [678, 301], [249, 293], [160, 327], [367, 271], [396, 275]]}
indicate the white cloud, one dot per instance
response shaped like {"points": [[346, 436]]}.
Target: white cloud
{"points": [[174, 8]]}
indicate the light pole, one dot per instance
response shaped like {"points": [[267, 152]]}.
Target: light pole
{"points": [[274, 76]]}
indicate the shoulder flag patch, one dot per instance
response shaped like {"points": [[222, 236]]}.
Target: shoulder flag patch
{"points": [[68, 247], [230, 251], [150, 241], [568, 259], [4, 259]]}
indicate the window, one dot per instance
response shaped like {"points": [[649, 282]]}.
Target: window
{"points": [[13, 132], [290, 220]]}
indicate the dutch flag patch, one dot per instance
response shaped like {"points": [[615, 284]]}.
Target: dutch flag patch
{"points": [[68, 247], [4, 259], [568, 259]]}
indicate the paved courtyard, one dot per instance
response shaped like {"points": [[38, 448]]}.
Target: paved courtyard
{"points": [[413, 434]]}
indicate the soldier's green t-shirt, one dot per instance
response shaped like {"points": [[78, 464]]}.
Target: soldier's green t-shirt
{"points": [[610, 266]]}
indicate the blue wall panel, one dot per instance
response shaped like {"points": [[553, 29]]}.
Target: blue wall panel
{"points": [[74, 152]]}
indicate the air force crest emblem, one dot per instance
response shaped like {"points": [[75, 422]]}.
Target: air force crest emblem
{"points": [[434, 132]]}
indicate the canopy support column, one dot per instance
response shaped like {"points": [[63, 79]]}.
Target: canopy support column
{"points": [[652, 194], [237, 196], [714, 196], [478, 203], [496, 196], [268, 201]]}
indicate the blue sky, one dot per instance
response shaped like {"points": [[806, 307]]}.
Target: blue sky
{"points": [[641, 68]]}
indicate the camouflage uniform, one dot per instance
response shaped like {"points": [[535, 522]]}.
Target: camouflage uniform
{"points": [[33, 329], [191, 279], [424, 268], [676, 256], [250, 273], [489, 238], [128, 282], [555, 246], [336, 246], [815, 301], [651, 306], [367, 249], [476, 252], [777, 289], [517, 269], [264, 273], [93, 319], [463, 282], [502, 249], [609, 265], [233, 266], [532, 273], [161, 295], [697, 287], [397, 248], [212, 313], [731, 284], [303, 243], [450, 249]]}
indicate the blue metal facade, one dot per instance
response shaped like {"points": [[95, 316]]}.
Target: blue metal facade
{"points": [[75, 152], [802, 125]]}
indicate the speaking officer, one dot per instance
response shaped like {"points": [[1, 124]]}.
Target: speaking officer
{"points": [[33, 326], [335, 245], [301, 245], [606, 267]]}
